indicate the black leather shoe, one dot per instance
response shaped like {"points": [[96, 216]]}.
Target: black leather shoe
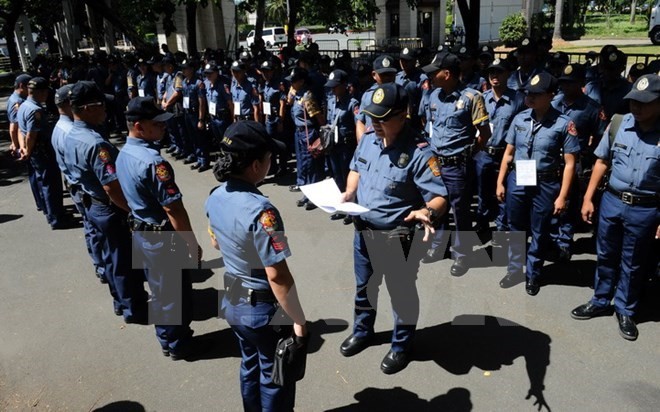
{"points": [[511, 280], [481, 228], [460, 267], [294, 188], [170, 149], [119, 311], [433, 255], [193, 350], [394, 362], [354, 345], [188, 161], [180, 156], [195, 166], [337, 216], [301, 202], [588, 311], [310, 206], [627, 328], [564, 254], [348, 220], [532, 287], [203, 168]]}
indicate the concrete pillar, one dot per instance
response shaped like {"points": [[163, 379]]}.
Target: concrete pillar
{"points": [[108, 32], [27, 32], [442, 29], [18, 35]]}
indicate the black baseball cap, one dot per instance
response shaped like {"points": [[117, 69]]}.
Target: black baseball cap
{"points": [[237, 66], [638, 69], [386, 100], [63, 94], [614, 60], [541, 83], [22, 79], [384, 64], [442, 60], [267, 65], [527, 45], [408, 54], [249, 135], [336, 78], [38, 83], [211, 67], [86, 92], [500, 65], [297, 73], [573, 73], [487, 51], [144, 108], [645, 89]]}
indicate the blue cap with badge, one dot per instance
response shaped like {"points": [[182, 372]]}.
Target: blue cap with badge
{"points": [[646, 89], [387, 99]]}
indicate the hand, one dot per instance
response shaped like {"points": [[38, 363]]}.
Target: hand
{"points": [[588, 211], [560, 206], [201, 125], [347, 197], [12, 148], [300, 330], [500, 193], [540, 399], [657, 232], [23, 154], [422, 216]]}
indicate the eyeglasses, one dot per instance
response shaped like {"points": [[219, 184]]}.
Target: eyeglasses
{"points": [[93, 104]]}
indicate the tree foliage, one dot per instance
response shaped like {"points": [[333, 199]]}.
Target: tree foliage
{"points": [[513, 29]]}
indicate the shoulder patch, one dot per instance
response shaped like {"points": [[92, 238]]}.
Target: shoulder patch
{"points": [[104, 155], [268, 220], [572, 130], [163, 172], [356, 109], [270, 224], [434, 166]]}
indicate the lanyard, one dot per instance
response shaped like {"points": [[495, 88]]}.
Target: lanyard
{"points": [[534, 128]]}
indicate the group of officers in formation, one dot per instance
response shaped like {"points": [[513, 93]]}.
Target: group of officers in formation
{"points": [[546, 145]]}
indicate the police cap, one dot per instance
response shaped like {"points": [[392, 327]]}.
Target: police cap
{"points": [[645, 89], [384, 64], [38, 83], [144, 108], [387, 99], [336, 78], [86, 92], [22, 79], [63, 94], [541, 83], [442, 60], [573, 73], [247, 136]]}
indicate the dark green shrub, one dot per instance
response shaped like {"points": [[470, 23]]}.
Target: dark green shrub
{"points": [[513, 29]]}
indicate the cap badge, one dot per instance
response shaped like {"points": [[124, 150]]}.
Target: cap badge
{"points": [[406, 51], [497, 61], [535, 80], [612, 57], [525, 42], [332, 76], [379, 95], [568, 70], [386, 62], [462, 50], [639, 66], [643, 84], [207, 67]]}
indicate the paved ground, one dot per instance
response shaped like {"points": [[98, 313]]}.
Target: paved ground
{"points": [[478, 348]]}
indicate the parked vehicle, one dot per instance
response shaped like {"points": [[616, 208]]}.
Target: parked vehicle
{"points": [[273, 36], [654, 23], [303, 36], [338, 29]]}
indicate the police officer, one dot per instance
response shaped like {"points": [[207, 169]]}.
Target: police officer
{"points": [[538, 186], [146, 82], [244, 94], [587, 116], [610, 87], [90, 160], [526, 57], [248, 229], [411, 78], [502, 104], [165, 242], [629, 214], [308, 118], [470, 76], [59, 141], [180, 146], [342, 110], [36, 147], [384, 71], [455, 114], [194, 109], [218, 101], [273, 96], [394, 174]]}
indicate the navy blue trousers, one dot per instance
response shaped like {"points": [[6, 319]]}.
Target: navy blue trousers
{"points": [[486, 169], [310, 170], [199, 139], [92, 239], [48, 182]]}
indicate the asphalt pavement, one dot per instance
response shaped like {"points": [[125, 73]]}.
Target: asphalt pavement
{"points": [[478, 347]]}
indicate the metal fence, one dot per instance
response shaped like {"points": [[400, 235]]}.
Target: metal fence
{"points": [[5, 64]]}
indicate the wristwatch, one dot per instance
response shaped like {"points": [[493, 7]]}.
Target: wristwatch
{"points": [[433, 214]]}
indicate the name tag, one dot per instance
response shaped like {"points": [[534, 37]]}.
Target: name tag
{"points": [[267, 109], [186, 102], [212, 108], [141, 92], [526, 172], [237, 108]]}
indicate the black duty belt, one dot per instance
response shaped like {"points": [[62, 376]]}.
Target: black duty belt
{"points": [[456, 160], [635, 200], [369, 230], [547, 176], [243, 117], [235, 290], [494, 151]]}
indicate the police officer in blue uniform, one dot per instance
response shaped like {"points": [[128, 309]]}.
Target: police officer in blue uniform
{"points": [[308, 117], [384, 71], [394, 174], [273, 95], [629, 215], [536, 141], [455, 115], [470, 76], [90, 160], [502, 104], [587, 116], [195, 109], [259, 287], [36, 147], [342, 110], [165, 244], [526, 57], [610, 87], [218, 101], [146, 81], [60, 131], [180, 146], [244, 94], [411, 78]]}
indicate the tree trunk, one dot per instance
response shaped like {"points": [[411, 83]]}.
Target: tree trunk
{"points": [[112, 17], [292, 21], [559, 11], [191, 24], [261, 13], [8, 33], [93, 29], [633, 10], [53, 45]]}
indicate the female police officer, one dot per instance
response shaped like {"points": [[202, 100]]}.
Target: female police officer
{"points": [[537, 187], [249, 231]]}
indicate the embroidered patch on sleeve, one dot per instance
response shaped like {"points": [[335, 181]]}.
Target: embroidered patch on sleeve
{"points": [[433, 165], [270, 224], [572, 130], [163, 172], [104, 155]]}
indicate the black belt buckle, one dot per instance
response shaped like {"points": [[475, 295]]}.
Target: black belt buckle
{"points": [[627, 198]]}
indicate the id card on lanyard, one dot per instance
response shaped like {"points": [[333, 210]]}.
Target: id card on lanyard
{"points": [[526, 169]]}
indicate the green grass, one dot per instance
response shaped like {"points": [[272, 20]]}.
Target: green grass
{"points": [[646, 49], [618, 26]]}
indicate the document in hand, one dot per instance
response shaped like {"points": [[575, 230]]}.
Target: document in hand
{"points": [[327, 197]]}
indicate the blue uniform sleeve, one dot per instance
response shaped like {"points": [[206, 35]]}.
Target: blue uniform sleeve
{"points": [[33, 121], [254, 96], [603, 149], [511, 133], [104, 156], [571, 143], [358, 152], [163, 184], [269, 239], [427, 176]]}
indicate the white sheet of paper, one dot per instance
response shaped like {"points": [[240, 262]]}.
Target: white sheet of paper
{"points": [[237, 108], [326, 196], [336, 134], [526, 172], [186, 102], [212, 108], [141, 92], [267, 109]]}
